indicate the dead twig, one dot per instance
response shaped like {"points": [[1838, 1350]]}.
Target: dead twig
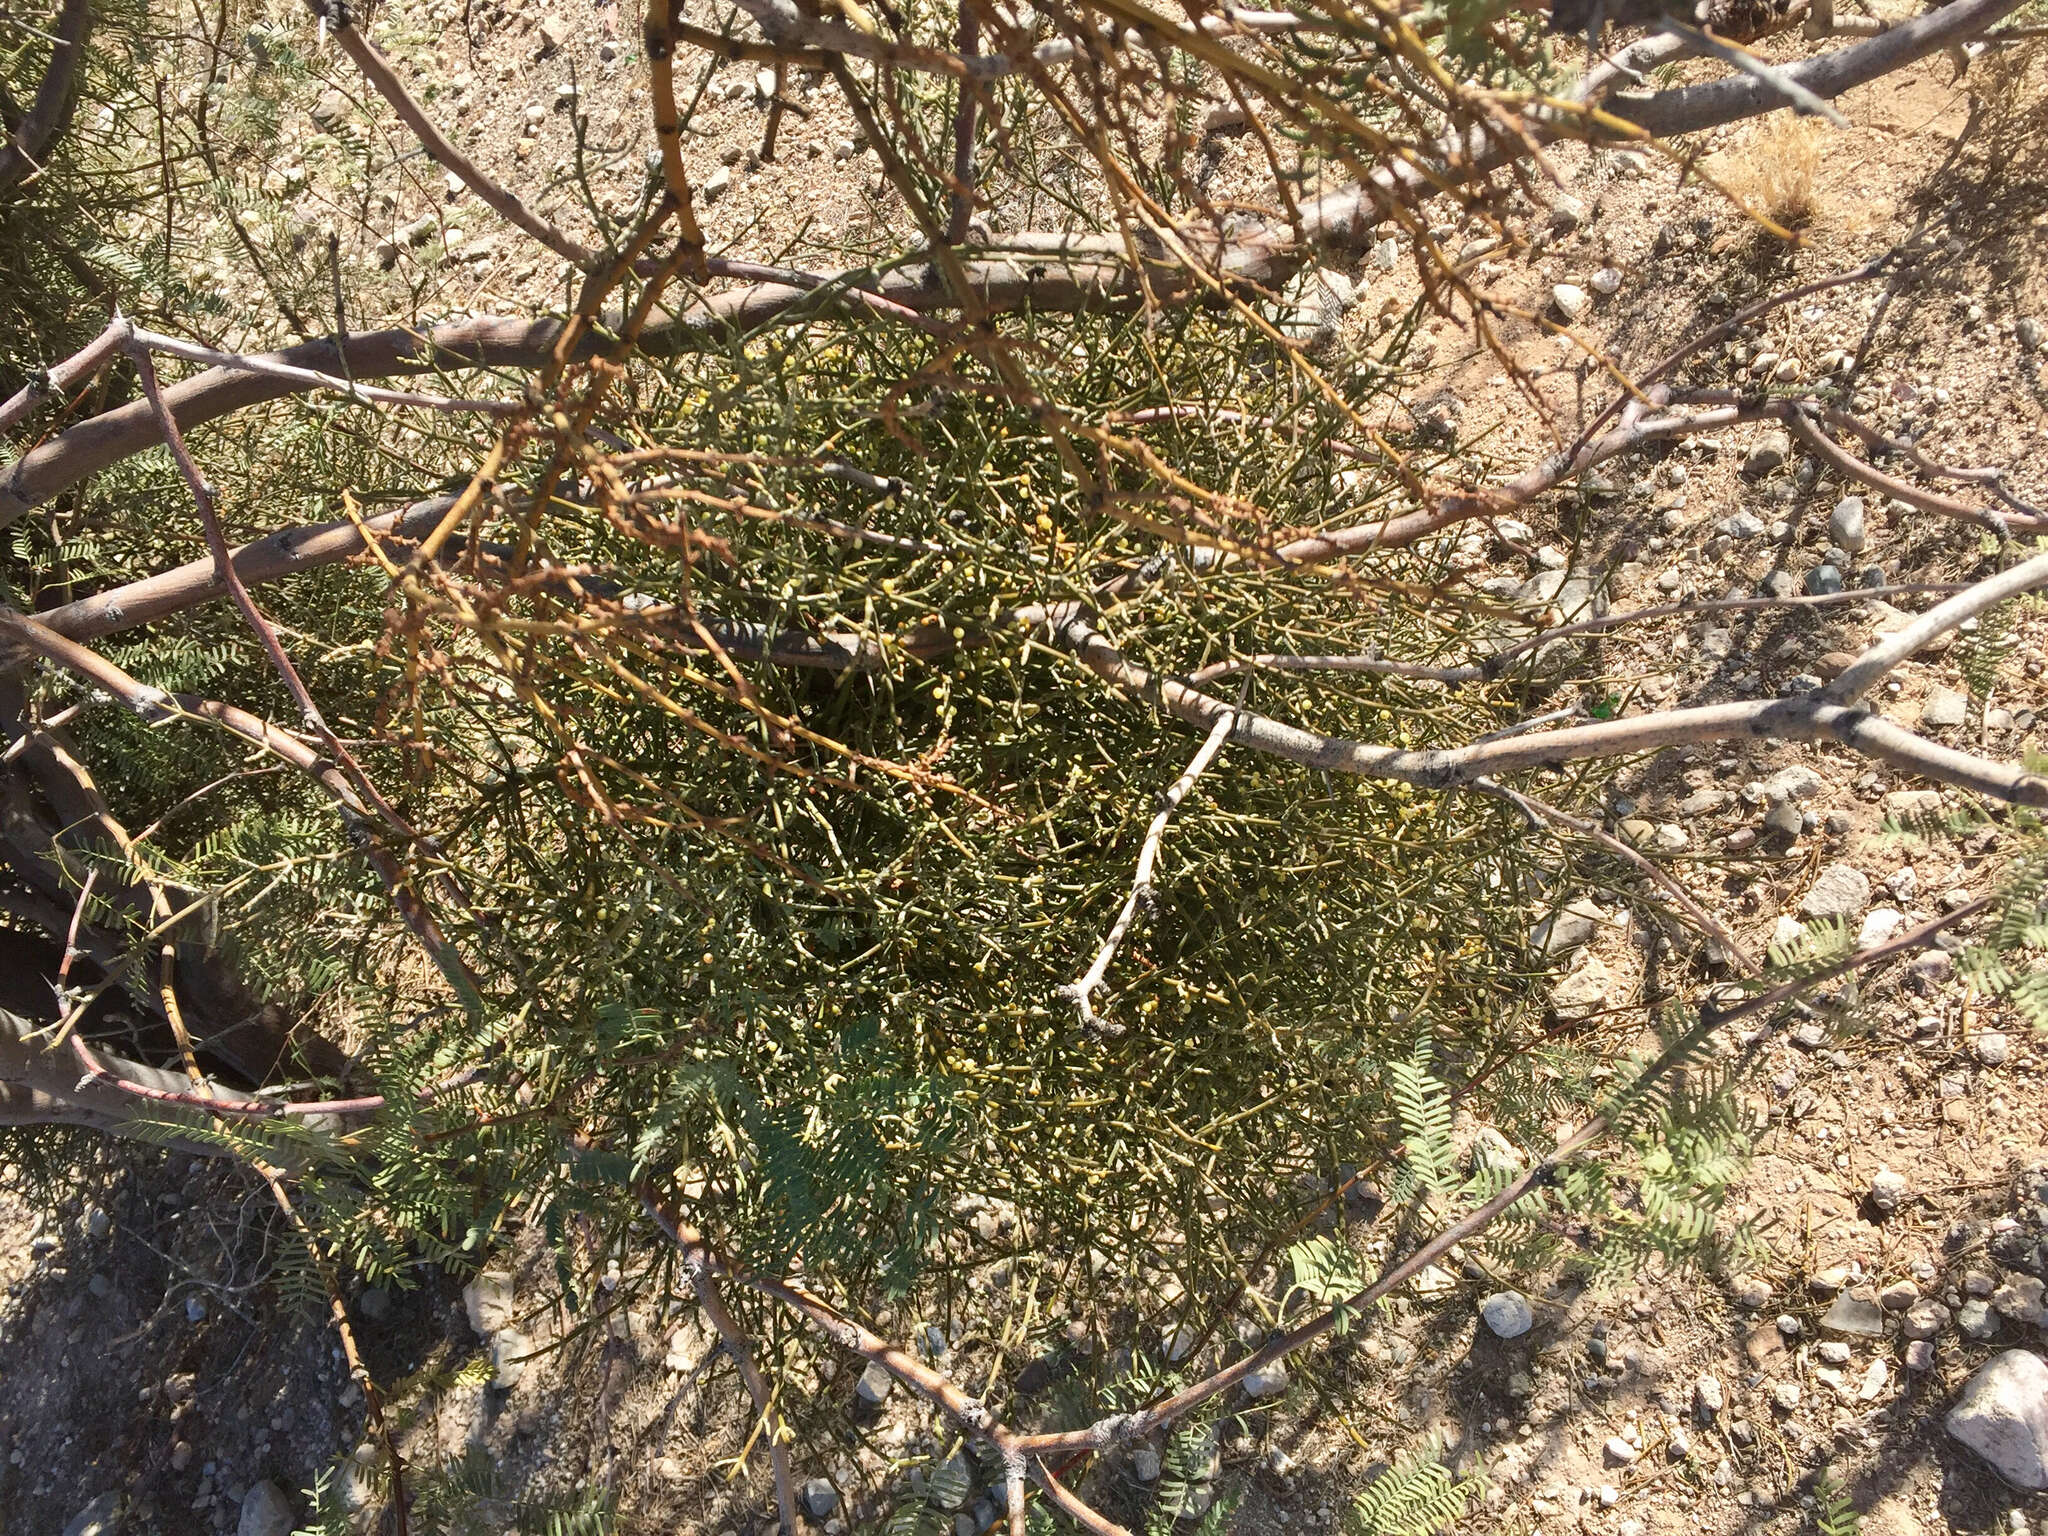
{"points": [[1081, 991]]}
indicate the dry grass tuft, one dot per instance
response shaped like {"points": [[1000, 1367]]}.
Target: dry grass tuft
{"points": [[1774, 172]]}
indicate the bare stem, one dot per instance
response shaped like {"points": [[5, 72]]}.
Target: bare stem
{"points": [[1080, 992]]}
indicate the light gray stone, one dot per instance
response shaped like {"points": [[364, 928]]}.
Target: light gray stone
{"points": [[1887, 1189], [1879, 924], [819, 1498], [1845, 524], [1771, 450], [2021, 1299], [1855, 1316], [875, 1384], [1588, 988], [1924, 1320], [1145, 1464], [1795, 783], [1568, 929], [266, 1512], [1824, 580], [1842, 891], [1977, 1320], [1944, 708], [2003, 1417], [1570, 299], [1267, 1381], [1708, 1396], [1507, 1314]]}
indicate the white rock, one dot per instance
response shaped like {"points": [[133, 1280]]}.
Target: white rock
{"points": [[1571, 300], [1507, 1314], [1587, 989], [266, 1512], [1841, 891], [1990, 1047], [716, 183], [509, 1348], [1607, 281], [1795, 784], [1879, 924], [1671, 837], [764, 83], [1619, 1452], [1267, 1381], [2003, 1417], [1568, 929], [97, 1518], [1887, 1189], [489, 1301]]}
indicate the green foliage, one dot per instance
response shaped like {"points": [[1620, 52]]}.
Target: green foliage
{"points": [[1834, 1514], [1187, 1476], [793, 953], [1425, 1110], [1417, 1495]]}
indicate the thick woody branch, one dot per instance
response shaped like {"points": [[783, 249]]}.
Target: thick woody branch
{"points": [[1050, 271], [80, 366], [1069, 627], [156, 707], [1870, 668], [269, 558], [47, 116], [712, 1300]]}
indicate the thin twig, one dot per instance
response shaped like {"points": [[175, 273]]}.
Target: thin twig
{"points": [[1080, 992], [502, 200]]}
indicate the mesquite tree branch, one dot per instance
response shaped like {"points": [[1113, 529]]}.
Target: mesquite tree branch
{"points": [[1049, 271], [156, 707], [705, 1282], [1069, 627], [47, 116], [77, 368]]}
